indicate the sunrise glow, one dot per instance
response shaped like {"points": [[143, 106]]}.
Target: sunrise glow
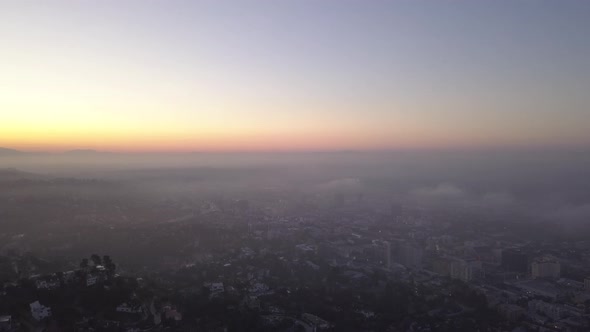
{"points": [[221, 77]]}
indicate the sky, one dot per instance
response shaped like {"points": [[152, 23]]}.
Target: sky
{"points": [[280, 75]]}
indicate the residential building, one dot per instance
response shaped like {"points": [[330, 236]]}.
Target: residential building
{"points": [[461, 269], [91, 280], [128, 308], [39, 311], [514, 260], [545, 267]]}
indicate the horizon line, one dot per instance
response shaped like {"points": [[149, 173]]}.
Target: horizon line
{"points": [[516, 148]]}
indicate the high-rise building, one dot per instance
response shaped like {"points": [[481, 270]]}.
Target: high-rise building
{"points": [[387, 249], [382, 253], [410, 255], [461, 269], [545, 267], [442, 266], [515, 260]]}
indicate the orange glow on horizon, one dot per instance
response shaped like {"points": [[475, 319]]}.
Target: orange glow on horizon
{"points": [[116, 141], [223, 143]]}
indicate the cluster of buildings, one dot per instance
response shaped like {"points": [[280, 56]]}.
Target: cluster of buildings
{"points": [[59, 291], [522, 279], [262, 258]]}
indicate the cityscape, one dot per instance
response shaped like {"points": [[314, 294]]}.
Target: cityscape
{"points": [[295, 166], [269, 248]]}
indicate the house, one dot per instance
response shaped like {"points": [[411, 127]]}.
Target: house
{"points": [[551, 310], [251, 302], [127, 308], [5, 323], [91, 280], [39, 311], [216, 287], [511, 312], [315, 321], [171, 313], [69, 276], [47, 283], [306, 248], [258, 288]]}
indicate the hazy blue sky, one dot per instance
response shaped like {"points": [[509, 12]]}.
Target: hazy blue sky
{"points": [[282, 75]]}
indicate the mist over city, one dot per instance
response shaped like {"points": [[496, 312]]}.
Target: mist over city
{"points": [[295, 166]]}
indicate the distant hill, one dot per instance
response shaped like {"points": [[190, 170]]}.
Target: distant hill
{"points": [[81, 151], [7, 151], [11, 174], [85, 152]]}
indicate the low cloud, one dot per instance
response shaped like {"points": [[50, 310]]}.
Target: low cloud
{"points": [[571, 213], [452, 195], [341, 184], [441, 191]]}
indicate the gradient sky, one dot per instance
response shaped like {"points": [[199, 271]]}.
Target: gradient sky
{"points": [[293, 75]]}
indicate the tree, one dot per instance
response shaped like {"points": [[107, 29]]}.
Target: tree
{"points": [[95, 259], [108, 263], [84, 263], [106, 259], [60, 276]]}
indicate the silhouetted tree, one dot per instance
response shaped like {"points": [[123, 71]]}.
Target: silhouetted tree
{"points": [[106, 259], [60, 276], [95, 259], [108, 263]]}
